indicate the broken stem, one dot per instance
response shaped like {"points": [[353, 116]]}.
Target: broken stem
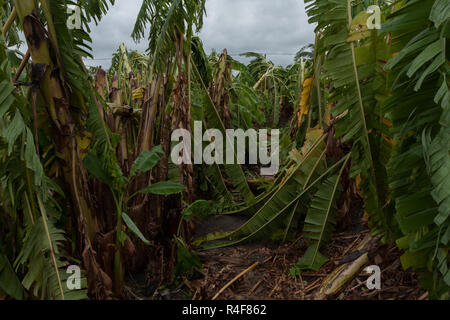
{"points": [[235, 279], [22, 66]]}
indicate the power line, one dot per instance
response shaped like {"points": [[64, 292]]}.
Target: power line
{"points": [[98, 59], [232, 53], [268, 54]]}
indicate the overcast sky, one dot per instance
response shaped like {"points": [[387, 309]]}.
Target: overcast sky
{"points": [[275, 27]]}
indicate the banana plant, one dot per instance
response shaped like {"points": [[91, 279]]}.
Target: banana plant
{"points": [[62, 103], [418, 109], [270, 80], [100, 168], [377, 80], [29, 211], [351, 69]]}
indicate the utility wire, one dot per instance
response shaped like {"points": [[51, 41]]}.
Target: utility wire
{"points": [[233, 54]]}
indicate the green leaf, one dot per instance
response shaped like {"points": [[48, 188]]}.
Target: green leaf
{"points": [[9, 283], [440, 12], [6, 96], [32, 160], [163, 188], [93, 165], [199, 208], [130, 224], [14, 129], [312, 259], [426, 55], [146, 161], [319, 220], [187, 261]]}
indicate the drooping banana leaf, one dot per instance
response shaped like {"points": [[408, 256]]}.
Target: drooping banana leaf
{"points": [[281, 198], [291, 222], [320, 220], [257, 227]]}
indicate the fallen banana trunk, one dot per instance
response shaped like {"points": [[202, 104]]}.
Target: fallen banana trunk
{"points": [[350, 267]]}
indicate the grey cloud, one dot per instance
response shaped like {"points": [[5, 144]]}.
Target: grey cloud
{"points": [[266, 26], [113, 29]]}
